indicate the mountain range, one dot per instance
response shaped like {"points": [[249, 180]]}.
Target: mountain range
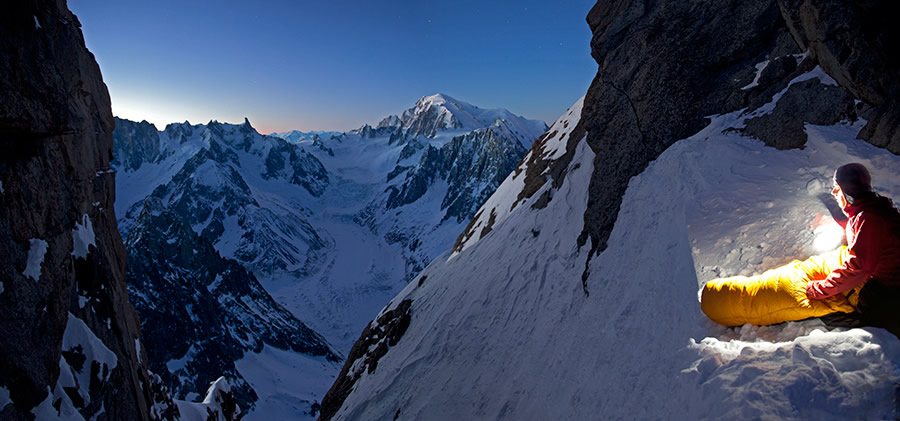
{"points": [[256, 241]]}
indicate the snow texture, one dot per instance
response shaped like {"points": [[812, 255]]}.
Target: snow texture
{"points": [[83, 237], [79, 338], [46, 410], [211, 407], [37, 249], [504, 330], [288, 384]]}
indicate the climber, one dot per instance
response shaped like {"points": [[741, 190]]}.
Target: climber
{"points": [[851, 286], [873, 251]]}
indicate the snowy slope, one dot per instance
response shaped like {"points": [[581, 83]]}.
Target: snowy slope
{"points": [[505, 330]]}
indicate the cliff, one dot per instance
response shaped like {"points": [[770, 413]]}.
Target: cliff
{"points": [[70, 338]]}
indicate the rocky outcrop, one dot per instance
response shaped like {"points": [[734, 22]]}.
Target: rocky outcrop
{"points": [[384, 332], [136, 144], [71, 339], [664, 66], [855, 43], [654, 86], [473, 165]]}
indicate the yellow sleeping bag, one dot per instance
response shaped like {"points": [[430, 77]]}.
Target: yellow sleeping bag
{"points": [[776, 296]]}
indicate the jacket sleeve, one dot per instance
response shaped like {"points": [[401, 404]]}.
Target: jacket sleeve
{"points": [[859, 266]]}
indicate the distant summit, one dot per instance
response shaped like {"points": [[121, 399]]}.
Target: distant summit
{"points": [[442, 112]]}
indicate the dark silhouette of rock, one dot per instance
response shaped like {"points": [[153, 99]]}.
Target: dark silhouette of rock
{"points": [[374, 342], [70, 338], [855, 43]]}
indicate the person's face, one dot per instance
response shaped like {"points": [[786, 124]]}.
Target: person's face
{"points": [[838, 194]]}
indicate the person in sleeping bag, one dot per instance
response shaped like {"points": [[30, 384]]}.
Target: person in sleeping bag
{"points": [[872, 260]]}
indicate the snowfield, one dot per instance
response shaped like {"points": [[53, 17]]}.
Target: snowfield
{"points": [[504, 329]]}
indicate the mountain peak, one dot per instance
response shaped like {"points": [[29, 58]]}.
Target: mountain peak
{"points": [[443, 112], [437, 99]]}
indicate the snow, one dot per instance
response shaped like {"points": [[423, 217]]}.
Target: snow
{"points": [[177, 364], [815, 73], [37, 248], [505, 330], [78, 334], [1, 187], [4, 397], [46, 411], [83, 237], [759, 69], [37, 24], [506, 198], [287, 383], [137, 350], [212, 404]]}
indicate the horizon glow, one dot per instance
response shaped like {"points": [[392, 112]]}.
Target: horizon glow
{"points": [[309, 65]]}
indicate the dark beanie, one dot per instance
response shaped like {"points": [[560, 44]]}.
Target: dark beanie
{"points": [[854, 180]]}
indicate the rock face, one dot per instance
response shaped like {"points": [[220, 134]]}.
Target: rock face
{"points": [[855, 43], [71, 339], [473, 165], [136, 144]]}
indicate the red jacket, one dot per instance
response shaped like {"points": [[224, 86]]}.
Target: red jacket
{"points": [[873, 240]]}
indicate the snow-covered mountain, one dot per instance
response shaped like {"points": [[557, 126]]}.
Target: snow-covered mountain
{"points": [[573, 294], [294, 136], [332, 228]]}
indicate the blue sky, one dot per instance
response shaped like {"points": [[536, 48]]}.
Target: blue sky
{"points": [[335, 64]]}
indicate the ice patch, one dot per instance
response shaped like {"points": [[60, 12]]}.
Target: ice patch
{"points": [[36, 251], [37, 25], [83, 237], [137, 349]]}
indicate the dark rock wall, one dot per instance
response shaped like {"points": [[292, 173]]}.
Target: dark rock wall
{"points": [[664, 65], [55, 152], [858, 44]]}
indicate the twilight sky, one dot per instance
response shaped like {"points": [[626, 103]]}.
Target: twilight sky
{"points": [[335, 64]]}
